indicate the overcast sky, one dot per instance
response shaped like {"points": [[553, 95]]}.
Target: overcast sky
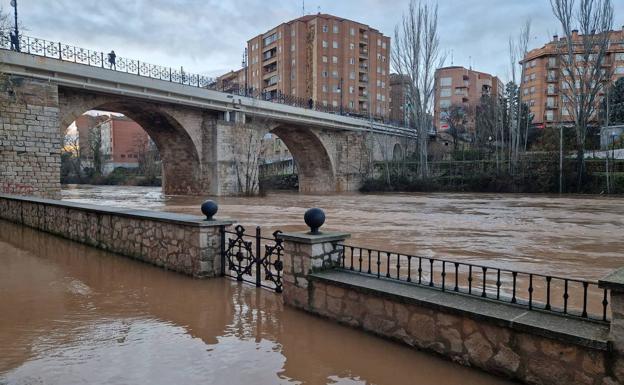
{"points": [[208, 36]]}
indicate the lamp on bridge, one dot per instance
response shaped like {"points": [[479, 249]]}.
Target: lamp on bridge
{"points": [[314, 218]]}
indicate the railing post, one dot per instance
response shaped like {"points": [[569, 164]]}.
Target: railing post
{"points": [[258, 258], [222, 230], [614, 282], [60, 52], [305, 254]]}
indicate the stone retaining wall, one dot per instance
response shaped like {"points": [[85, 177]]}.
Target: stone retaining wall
{"points": [[182, 243], [529, 357], [530, 346]]}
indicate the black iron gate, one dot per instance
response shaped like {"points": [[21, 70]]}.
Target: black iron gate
{"points": [[252, 258]]}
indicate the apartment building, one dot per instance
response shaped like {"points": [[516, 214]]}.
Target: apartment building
{"points": [[233, 81], [398, 92], [123, 141], [543, 77], [459, 86], [325, 59]]}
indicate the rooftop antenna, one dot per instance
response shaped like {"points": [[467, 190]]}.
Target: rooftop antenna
{"points": [[452, 56], [318, 9], [302, 7], [470, 62]]}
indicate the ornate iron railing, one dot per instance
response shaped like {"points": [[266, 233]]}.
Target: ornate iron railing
{"points": [[561, 295], [252, 258], [70, 53]]}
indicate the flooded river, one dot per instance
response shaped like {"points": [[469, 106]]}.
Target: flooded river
{"points": [[573, 236], [76, 315]]}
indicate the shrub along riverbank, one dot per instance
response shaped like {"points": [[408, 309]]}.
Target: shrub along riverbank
{"points": [[530, 176]]}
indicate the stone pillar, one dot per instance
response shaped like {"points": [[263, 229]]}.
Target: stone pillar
{"points": [[615, 283], [30, 139], [304, 254]]}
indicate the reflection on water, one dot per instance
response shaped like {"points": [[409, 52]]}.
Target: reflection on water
{"points": [[575, 236], [76, 315]]}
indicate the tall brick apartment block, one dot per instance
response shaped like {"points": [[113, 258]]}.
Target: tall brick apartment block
{"points": [[328, 59], [544, 78], [459, 86]]}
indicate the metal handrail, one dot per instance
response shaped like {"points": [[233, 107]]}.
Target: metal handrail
{"points": [[70, 53], [520, 289]]}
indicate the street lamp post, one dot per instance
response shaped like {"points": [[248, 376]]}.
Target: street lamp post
{"points": [[16, 30]]}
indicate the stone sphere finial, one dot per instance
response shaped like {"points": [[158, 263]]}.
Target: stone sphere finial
{"points": [[209, 209], [314, 218]]}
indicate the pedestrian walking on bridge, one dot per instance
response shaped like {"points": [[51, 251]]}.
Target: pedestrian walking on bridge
{"points": [[112, 57]]}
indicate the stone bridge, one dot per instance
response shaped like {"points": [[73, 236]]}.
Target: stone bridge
{"points": [[208, 140]]}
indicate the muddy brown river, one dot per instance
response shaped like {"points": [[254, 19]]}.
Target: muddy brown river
{"points": [[572, 236], [71, 314]]}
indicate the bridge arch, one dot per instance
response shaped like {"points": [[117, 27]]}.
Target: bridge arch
{"points": [[317, 173], [181, 163], [397, 152]]}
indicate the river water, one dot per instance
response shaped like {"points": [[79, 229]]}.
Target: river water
{"points": [[572, 236], [71, 314]]}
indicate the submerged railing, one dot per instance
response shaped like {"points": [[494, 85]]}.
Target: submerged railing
{"points": [[252, 258], [70, 53], [568, 296]]}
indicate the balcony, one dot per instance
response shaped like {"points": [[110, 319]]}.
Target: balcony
{"points": [[363, 68], [551, 106], [552, 78], [552, 91], [363, 53], [363, 79]]}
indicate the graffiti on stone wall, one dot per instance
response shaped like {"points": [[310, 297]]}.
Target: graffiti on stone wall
{"points": [[16, 188]]}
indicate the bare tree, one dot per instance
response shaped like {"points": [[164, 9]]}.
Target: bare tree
{"points": [[456, 116], [582, 55], [247, 154], [95, 147], [416, 54], [147, 156], [518, 48]]}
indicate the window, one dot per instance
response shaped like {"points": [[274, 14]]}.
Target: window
{"points": [[293, 32], [552, 61], [292, 48], [270, 39], [579, 57], [335, 89], [445, 103], [383, 84], [335, 59], [533, 63], [619, 70], [383, 45], [334, 103], [378, 70], [619, 56], [351, 61], [294, 91], [526, 91], [352, 31], [324, 103], [351, 104], [532, 90], [336, 29], [351, 46], [550, 102], [324, 74], [292, 63], [550, 116], [551, 89], [352, 75], [351, 89], [335, 74], [325, 45], [335, 44], [565, 111], [292, 76], [324, 59], [446, 82], [324, 87], [526, 78], [445, 92], [379, 42], [325, 29], [533, 76]]}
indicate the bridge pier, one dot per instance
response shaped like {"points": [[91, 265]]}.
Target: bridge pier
{"points": [[30, 142]]}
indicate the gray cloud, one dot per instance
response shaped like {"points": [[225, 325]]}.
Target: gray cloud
{"points": [[208, 36]]}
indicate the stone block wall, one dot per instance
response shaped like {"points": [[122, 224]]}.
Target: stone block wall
{"points": [[180, 243], [530, 358], [30, 139]]}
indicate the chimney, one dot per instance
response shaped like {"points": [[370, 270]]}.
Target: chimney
{"points": [[555, 37], [574, 33]]}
